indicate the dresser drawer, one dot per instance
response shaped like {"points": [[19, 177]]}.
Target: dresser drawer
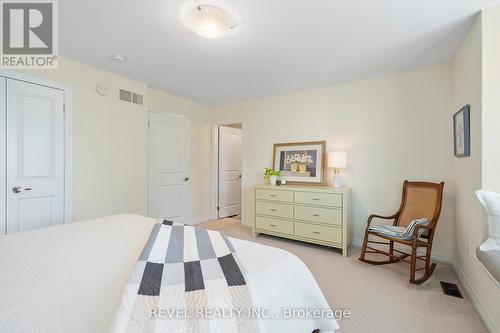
{"points": [[284, 196], [281, 226], [327, 234], [274, 209], [324, 199], [317, 214]]}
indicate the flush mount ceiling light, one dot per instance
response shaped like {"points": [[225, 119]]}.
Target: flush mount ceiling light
{"points": [[210, 18]]}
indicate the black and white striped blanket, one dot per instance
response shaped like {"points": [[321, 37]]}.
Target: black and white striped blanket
{"points": [[187, 280]]}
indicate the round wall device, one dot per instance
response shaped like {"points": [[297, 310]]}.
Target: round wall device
{"points": [[101, 90]]}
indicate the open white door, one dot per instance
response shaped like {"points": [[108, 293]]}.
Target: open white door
{"points": [[168, 166], [35, 156], [229, 171]]}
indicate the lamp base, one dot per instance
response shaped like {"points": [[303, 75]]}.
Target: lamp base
{"points": [[337, 182]]}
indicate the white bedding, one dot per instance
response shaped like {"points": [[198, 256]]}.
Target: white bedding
{"points": [[70, 278], [280, 280]]}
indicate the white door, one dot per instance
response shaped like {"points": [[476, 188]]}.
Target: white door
{"points": [[168, 166], [229, 171], [35, 156], [3, 178]]}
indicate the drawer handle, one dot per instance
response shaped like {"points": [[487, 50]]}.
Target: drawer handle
{"points": [[272, 209], [272, 195], [273, 225], [316, 232], [316, 215], [316, 199]]}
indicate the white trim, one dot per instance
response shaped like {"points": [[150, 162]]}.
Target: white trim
{"points": [[68, 188], [475, 300], [442, 258], [215, 167], [68, 155], [3, 154]]}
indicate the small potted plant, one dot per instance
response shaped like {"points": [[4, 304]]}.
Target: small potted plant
{"points": [[272, 175]]}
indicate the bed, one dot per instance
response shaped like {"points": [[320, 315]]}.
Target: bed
{"points": [[70, 278]]}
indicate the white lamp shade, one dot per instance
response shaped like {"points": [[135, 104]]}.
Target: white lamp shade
{"points": [[337, 159]]}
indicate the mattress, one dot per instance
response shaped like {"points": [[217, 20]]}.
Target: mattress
{"points": [[70, 278]]}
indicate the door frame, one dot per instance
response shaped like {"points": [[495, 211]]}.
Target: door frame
{"points": [[221, 173], [215, 167], [68, 171]]}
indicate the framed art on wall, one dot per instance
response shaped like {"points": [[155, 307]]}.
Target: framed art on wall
{"points": [[461, 132], [300, 162]]}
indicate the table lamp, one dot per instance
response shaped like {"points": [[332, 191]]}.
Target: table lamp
{"points": [[337, 160]]}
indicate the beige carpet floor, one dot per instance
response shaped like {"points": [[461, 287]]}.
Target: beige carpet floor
{"points": [[379, 297]]}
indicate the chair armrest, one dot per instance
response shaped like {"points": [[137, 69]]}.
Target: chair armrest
{"points": [[371, 217], [417, 228]]}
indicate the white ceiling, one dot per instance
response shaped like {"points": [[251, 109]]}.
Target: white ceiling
{"points": [[284, 45]]}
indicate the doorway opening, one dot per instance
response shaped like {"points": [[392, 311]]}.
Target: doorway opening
{"points": [[228, 170]]}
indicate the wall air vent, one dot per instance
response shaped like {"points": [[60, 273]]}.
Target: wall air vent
{"points": [[125, 95], [131, 97], [137, 98]]}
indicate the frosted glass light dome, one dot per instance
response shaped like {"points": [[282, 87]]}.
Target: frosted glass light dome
{"points": [[210, 19]]}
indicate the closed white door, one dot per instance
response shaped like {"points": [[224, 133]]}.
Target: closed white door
{"points": [[168, 166], [35, 156], [229, 171], [3, 137]]}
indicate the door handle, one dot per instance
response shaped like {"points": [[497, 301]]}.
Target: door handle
{"points": [[239, 176], [19, 189], [186, 179]]}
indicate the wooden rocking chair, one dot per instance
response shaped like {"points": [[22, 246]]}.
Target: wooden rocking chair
{"points": [[419, 200]]}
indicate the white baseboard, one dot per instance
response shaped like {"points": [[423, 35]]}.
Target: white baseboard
{"points": [[442, 258], [436, 256], [356, 242], [475, 300]]}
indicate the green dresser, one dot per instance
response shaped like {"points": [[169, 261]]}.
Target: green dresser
{"points": [[314, 214]]}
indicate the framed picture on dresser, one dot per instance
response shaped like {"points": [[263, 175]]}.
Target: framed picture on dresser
{"points": [[301, 162]]}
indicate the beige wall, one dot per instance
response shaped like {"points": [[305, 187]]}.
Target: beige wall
{"points": [[466, 74], [491, 98], [110, 143], [468, 81], [201, 148], [110, 170], [393, 128]]}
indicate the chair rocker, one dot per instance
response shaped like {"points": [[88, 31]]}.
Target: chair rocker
{"points": [[419, 200]]}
